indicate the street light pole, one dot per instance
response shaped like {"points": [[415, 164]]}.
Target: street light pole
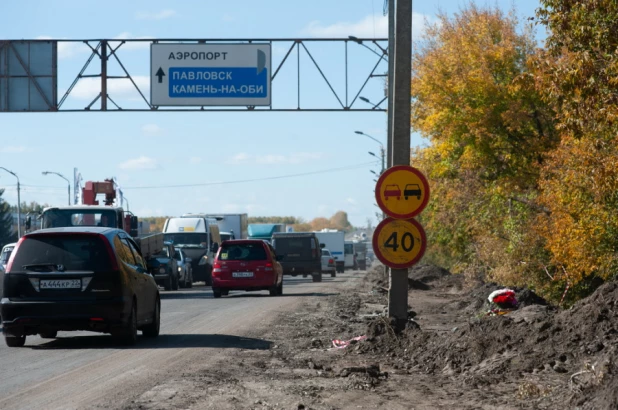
{"points": [[382, 151], [18, 203], [63, 177]]}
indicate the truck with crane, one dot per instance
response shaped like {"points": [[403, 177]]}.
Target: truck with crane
{"points": [[91, 212]]}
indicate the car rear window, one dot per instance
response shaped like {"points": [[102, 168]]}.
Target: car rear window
{"points": [[325, 252], [72, 252], [243, 252]]}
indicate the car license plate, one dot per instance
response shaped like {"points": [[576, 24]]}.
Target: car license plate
{"points": [[60, 284], [242, 274]]}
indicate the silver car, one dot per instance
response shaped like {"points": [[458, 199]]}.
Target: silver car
{"points": [[5, 255], [185, 271], [328, 263]]}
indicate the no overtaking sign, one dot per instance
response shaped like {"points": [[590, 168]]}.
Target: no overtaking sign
{"points": [[210, 74]]}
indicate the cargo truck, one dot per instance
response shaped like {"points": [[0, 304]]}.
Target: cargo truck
{"points": [[264, 231], [199, 238], [231, 226], [334, 240]]}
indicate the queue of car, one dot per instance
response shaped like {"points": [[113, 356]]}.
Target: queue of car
{"points": [[97, 279]]}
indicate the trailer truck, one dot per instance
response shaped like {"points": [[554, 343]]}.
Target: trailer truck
{"points": [[334, 240]]}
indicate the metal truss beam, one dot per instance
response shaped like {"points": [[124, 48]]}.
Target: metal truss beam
{"points": [[106, 51]]}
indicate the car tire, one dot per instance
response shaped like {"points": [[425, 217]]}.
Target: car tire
{"points": [[280, 289], [175, 283], [168, 283], [225, 292], [152, 329], [15, 341], [48, 335], [128, 335], [333, 274], [317, 277], [273, 291], [216, 293], [190, 281]]}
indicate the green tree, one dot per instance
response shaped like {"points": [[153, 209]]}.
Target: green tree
{"points": [[6, 222], [475, 98], [578, 76]]}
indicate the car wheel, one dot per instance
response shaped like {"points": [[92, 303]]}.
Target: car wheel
{"points": [[273, 291], [175, 281], [317, 277], [280, 289], [128, 335], [225, 292], [190, 281], [48, 335], [152, 329], [216, 293], [406, 198], [333, 274], [15, 341], [168, 283]]}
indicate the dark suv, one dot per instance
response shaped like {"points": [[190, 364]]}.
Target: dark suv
{"points": [[299, 253], [86, 278]]}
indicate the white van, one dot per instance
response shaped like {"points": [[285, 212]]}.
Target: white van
{"points": [[199, 239]]}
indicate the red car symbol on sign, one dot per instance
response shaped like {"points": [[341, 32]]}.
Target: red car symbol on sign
{"points": [[392, 190]]}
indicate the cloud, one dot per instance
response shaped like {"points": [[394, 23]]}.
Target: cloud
{"points": [[140, 163], [295, 158], [67, 49], [368, 27], [228, 18], [13, 149], [195, 160], [130, 45], [160, 15], [351, 201], [151, 129], [117, 88]]}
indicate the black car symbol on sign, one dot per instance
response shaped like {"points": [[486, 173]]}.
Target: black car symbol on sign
{"points": [[412, 190]]}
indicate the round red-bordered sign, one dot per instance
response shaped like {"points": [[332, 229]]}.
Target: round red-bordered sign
{"points": [[402, 192], [399, 243]]}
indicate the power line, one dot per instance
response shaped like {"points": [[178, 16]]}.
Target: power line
{"points": [[240, 181]]}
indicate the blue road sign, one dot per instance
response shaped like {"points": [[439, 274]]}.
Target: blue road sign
{"points": [[210, 74]]}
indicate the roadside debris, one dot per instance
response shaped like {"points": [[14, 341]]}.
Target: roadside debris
{"points": [[342, 344], [502, 301]]}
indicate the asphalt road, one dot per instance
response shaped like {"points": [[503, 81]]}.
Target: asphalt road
{"points": [[89, 370]]}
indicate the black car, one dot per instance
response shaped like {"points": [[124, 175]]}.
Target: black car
{"points": [[300, 253], [88, 278]]}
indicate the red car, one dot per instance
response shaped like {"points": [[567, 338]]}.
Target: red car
{"points": [[392, 190], [246, 264]]}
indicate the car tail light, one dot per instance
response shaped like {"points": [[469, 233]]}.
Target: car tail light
{"points": [[216, 268], [110, 253], [269, 267], [330, 261], [13, 253]]}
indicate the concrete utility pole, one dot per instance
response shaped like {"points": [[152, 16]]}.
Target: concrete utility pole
{"points": [[400, 137], [390, 79]]}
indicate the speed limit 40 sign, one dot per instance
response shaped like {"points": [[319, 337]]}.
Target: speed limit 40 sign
{"points": [[399, 243]]}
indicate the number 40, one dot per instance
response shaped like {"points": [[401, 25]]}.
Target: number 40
{"points": [[407, 242]]}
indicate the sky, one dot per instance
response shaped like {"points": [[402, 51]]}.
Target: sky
{"points": [[303, 164]]}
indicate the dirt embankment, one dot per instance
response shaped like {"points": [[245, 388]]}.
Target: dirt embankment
{"points": [[453, 354]]}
